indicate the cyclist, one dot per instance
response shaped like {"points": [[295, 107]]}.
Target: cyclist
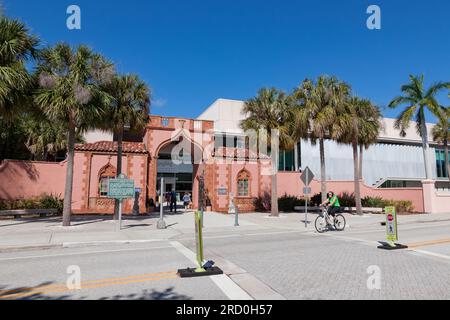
{"points": [[333, 204]]}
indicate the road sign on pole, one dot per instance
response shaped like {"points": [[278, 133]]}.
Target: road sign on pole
{"points": [[307, 177], [161, 223], [121, 188]]}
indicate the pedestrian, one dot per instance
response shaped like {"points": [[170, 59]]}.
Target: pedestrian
{"points": [[173, 201], [186, 201]]}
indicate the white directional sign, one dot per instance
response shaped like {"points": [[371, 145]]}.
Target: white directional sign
{"points": [[307, 176]]}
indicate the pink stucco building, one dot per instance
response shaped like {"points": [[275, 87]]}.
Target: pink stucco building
{"points": [[215, 149]]}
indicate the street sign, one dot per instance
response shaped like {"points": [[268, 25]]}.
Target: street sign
{"points": [[306, 191], [121, 189], [307, 176], [391, 224]]}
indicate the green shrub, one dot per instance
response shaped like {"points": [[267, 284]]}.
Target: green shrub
{"points": [[347, 199], [263, 204], [316, 199], [401, 206], [373, 202], [43, 202], [288, 203]]}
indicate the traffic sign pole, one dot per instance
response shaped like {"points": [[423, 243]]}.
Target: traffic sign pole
{"points": [[306, 203], [119, 223]]}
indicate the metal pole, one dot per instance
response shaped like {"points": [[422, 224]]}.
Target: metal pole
{"points": [[306, 202], [119, 224], [161, 223]]}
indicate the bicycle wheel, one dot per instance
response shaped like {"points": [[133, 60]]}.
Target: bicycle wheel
{"points": [[339, 222], [321, 224]]}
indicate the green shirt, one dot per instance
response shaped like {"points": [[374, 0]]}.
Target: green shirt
{"points": [[334, 201]]}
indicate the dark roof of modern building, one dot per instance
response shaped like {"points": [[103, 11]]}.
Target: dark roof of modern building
{"points": [[110, 146]]}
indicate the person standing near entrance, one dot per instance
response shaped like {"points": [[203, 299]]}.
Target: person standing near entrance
{"points": [[173, 201], [186, 201]]}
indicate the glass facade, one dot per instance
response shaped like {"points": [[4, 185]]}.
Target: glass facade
{"points": [[287, 160], [440, 164]]}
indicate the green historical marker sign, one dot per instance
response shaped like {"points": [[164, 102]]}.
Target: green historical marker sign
{"points": [[121, 189]]}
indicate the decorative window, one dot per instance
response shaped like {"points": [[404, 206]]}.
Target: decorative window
{"points": [[165, 122], [243, 182], [106, 173]]}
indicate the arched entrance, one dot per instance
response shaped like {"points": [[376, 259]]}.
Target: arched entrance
{"points": [[178, 162]]}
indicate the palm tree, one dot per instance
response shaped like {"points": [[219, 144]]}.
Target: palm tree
{"points": [[360, 125], [270, 110], [17, 46], [441, 134], [129, 108], [417, 100], [69, 93], [317, 108]]}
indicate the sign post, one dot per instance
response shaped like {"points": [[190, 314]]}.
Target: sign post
{"points": [[307, 177], [161, 223], [121, 188], [391, 230]]}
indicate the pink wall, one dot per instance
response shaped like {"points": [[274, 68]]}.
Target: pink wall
{"points": [[435, 202], [27, 179], [290, 183]]}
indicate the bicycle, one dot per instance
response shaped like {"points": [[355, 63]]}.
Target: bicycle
{"points": [[323, 221]]}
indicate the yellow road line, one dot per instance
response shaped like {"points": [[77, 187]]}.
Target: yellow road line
{"points": [[60, 288], [428, 243]]}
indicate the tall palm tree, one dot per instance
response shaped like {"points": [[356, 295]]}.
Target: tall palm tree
{"points": [[129, 108], [441, 134], [271, 110], [70, 93], [318, 105], [418, 99], [17, 46], [360, 125]]}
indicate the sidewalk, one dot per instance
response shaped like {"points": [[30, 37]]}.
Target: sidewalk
{"points": [[96, 230]]}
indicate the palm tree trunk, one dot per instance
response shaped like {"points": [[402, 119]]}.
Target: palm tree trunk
{"points": [[447, 161], [67, 211], [323, 175], [119, 169], [356, 177], [361, 152], [274, 152], [425, 147]]}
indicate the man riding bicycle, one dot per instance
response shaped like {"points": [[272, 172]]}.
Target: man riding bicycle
{"points": [[333, 204]]}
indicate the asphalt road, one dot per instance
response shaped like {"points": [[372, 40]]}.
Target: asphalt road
{"points": [[279, 264]]}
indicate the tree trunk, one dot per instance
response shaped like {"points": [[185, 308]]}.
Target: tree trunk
{"points": [[356, 177], [274, 153], [119, 169], [323, 175], [361, 152], [426, 147], [67, 211], [447, 161]]}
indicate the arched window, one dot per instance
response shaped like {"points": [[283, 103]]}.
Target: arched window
{"points": [[243, 183], [105, 173]]}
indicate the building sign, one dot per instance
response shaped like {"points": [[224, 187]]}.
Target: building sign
{"points": [[391, 224], [121, 189], [222, 191]]}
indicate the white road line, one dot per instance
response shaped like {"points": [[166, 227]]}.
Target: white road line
{"points": [[228, 286], [82, 253]]}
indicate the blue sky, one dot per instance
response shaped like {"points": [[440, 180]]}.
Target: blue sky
{"points": [[193, 52]]}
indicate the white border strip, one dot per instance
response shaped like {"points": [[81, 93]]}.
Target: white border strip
{"points": [[228, 286]]}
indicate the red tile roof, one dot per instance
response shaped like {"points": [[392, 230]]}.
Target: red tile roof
{"points": [[109, 146], [238, 153]]}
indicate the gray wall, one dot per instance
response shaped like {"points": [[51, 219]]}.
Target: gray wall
{"points": [[380, 161]]}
